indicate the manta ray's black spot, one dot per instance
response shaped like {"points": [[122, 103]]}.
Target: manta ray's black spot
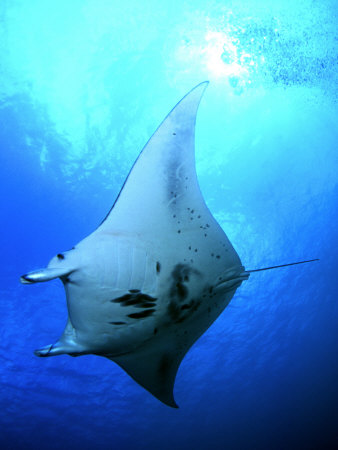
{"points": [[117, 323], [181, 290], [137, 299], [60, 256], [133, 301], [178, 291], [178, 231], [122, 299], [147, 298], [142, 314], [192, 211], [146, 305], [158, 267], [198, 217], [186, 306], [134, 291], [174, 134], [218, 256], [186, 310]]}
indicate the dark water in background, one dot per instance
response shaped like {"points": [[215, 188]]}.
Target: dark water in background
{"points": [[83, 84]]}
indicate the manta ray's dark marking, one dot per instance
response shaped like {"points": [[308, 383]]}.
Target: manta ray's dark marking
{"points": [[179, 313], [137, 299], [179, 276], [178, 289], [179, 292], [186, 306], [146, 305], [158, 267], [117, 323], [142, 314], [60, 256]]}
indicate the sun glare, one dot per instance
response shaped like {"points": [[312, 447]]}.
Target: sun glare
{"points": [[222, 56]]}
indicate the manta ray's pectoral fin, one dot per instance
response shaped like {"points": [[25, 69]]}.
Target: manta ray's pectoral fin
{"points": [[46, 274], [154, 369]]}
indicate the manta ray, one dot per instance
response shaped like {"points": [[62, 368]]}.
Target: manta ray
{"points": [[157, 272]]}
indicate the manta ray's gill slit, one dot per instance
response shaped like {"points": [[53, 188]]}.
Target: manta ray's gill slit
{"points": [[150, 276], [125, 265], [138, 269], [158, 267]]}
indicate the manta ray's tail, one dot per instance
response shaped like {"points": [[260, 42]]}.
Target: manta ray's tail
{"points": [[282, 265]]}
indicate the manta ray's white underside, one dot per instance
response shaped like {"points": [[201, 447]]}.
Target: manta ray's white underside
{"points": [[144, 286]]}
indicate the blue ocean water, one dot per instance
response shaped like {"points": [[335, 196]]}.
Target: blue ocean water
{"points": [[83, 85]]}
